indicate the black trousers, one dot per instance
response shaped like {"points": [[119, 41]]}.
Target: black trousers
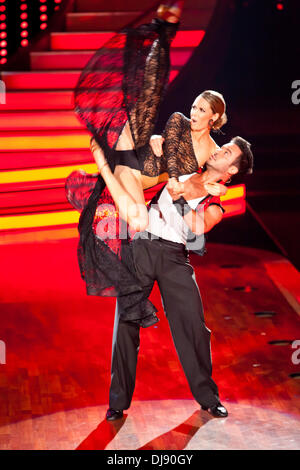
{"points": [[167, 263]]}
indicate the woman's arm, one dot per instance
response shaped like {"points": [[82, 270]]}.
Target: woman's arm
{"points": [[173, 135], [161, 155]]}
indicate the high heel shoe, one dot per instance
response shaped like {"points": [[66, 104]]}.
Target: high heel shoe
{"points": [[170, 11]]}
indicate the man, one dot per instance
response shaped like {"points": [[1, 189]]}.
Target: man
{"points": [[160, 254]]}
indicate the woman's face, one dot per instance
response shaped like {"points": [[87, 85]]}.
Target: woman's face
{"points": [[201, 114]]}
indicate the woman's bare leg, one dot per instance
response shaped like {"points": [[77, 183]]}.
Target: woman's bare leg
{"points": [[130, 196], [130, 210]]}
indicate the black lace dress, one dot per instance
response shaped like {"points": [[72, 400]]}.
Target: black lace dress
{"points": [[125, 80]]}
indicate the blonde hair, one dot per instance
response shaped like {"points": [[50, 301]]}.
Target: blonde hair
{"points": [[218, 105]]}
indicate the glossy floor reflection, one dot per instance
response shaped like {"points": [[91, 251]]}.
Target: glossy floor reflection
{"points": [[157, 425], [55, 381]]}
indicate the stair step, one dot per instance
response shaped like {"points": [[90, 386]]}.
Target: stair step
{"points": [[112, 5], [79, 40], [36, 120], [30, 210], [15, 201], [30, 140], [26, 186], [33, 175], [38, 100], [30, 159], [72, 60], [104, 21], [48, 80], [41, 100], [59, 60], [43, 80], [37, 220], [192, 18], [94, 40]]}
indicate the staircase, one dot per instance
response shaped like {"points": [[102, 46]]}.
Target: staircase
{"points": [[42, 141]]}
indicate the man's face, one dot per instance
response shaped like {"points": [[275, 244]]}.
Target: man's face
{"points": [[222, 160]]}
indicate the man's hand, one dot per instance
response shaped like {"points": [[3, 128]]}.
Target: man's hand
{"points": [[156, 143], [175, 188], [215, 189]]}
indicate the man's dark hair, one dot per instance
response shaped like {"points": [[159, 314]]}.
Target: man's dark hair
{"points": [[244, 162]]}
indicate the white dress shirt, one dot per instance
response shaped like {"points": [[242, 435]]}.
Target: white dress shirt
{"points": [[164, 219]]}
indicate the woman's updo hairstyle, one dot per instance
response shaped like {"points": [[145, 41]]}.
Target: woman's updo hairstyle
{"points": [[218, 105]]}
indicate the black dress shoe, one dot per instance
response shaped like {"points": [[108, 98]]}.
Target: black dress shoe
{"points": [[112, 414], [218, 410]]}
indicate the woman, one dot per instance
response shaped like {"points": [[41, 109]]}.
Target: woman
{"points": [[118, 97], [187, 145]]}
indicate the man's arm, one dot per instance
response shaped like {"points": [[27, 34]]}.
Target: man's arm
{"points": [[200, 222], [212, 216]]}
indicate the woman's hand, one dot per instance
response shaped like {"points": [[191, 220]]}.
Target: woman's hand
{"points": [[175, 188], [98, 154], [215, 189], [156, 143]]}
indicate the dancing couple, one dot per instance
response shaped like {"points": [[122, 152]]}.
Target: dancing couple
{"points": [[118, 97]]}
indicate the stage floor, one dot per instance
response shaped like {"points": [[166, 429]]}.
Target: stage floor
{"points": [[55, 380]]}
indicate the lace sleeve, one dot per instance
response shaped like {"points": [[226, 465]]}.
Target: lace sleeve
{"points": [[173, 135], [177, 156]]}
